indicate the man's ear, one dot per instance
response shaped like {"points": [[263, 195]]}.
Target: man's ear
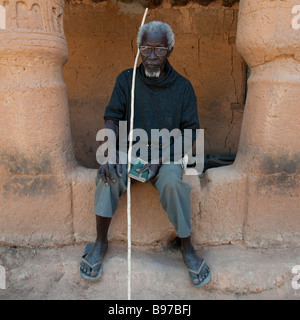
{"points": [[169, 53]]}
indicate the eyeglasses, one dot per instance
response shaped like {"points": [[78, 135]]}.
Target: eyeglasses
{"points": [[159, 51]]}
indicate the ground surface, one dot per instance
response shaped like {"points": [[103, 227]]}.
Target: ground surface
{"points": [[237, 273]]}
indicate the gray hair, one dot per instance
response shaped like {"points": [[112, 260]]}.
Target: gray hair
{"points": [[157, 27]]}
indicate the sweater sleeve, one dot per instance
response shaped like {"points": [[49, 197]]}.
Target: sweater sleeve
{"points": [[189, 114], [182, 142], [117, 106], [189, 120]]}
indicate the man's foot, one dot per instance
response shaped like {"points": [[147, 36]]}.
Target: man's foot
{"points": [[198, 270], [91, 263]]}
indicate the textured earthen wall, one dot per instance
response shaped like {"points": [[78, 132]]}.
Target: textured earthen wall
{"points": [[269, 149], [258, 197], [35, 143], [102, 42], [47, 199]]}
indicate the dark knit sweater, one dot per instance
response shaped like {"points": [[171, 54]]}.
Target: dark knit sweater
{"points": [[168, 102]]}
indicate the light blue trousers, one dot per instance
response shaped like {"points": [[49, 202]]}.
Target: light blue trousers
{"points": [[174, 196]]}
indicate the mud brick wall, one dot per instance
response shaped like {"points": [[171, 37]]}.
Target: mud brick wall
{"points": [[101, 36]]}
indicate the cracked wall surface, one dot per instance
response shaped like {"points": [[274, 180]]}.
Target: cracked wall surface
{"points": [[102, 42]]}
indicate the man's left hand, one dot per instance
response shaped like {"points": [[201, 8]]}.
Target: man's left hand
{"points": [[152, 168]]}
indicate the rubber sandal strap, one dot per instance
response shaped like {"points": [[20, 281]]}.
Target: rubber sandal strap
{"points": [[92, 266], [199, 270]]}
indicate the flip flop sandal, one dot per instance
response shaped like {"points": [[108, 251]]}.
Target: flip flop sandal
{"points": [[83, 274], [203, 280]]}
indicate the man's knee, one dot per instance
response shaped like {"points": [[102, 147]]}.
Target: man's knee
{"points": [[171, 183], [173, 186], [169, 178], [170, 171]]}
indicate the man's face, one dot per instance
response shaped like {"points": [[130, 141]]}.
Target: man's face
{"points": [[154, 61]]}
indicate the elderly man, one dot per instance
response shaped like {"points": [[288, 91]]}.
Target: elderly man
{"points": [[163, 99]]}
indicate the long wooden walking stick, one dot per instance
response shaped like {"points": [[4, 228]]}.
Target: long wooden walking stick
{"points": [[128, 168]]}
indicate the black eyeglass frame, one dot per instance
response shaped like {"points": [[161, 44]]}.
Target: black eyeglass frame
{"points": [[153, 48]]}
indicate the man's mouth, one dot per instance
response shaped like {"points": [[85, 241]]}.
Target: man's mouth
{"points": [[152, 66]]}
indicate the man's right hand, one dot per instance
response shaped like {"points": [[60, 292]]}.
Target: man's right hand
{"points": [[107, 172]]}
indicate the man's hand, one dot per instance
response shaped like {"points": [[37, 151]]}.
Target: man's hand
{"points": [[106, 172], [152, 168]]}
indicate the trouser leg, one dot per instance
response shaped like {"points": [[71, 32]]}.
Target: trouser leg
{"points": [[175, 197], [107, 197]]}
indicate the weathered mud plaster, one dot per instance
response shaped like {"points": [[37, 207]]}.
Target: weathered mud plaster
{"points": [[35, 146], [257, 198], [46, 199], [269, 143]]}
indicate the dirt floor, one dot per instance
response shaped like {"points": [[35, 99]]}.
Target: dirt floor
{"points": [[160, 274]]}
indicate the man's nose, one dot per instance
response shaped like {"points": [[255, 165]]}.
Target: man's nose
{"points": [[152, 54]]}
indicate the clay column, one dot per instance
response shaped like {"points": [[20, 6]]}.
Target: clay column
{"points": [[269, 149], [35, 144]]}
